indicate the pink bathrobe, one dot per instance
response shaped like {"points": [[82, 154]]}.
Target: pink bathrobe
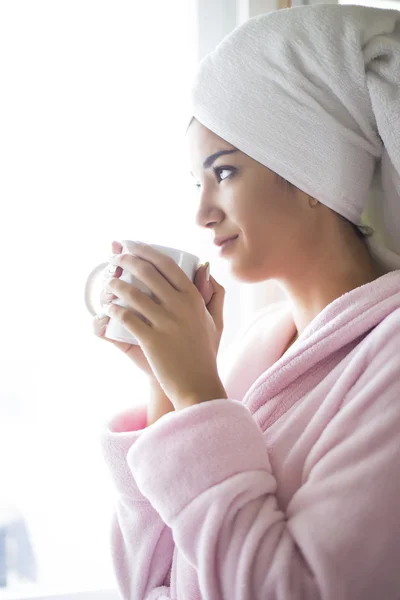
{"points": [[288, 490]]}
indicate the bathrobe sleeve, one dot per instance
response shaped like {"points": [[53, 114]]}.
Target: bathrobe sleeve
{"points": [[141, 543], [206, 471]]}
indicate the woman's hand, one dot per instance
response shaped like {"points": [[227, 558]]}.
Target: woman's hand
{"points": [[213, 296], [179, 335], [132, 351]]}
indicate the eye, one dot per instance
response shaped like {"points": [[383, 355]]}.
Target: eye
{"points": [[219, 170]]}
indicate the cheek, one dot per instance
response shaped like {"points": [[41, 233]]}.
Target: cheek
{"points": [[243, 210], [259, 231], [265, 244], [255, 213]]}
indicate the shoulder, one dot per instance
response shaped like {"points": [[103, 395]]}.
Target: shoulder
{"points": [[387, 331], [382, 344], [375, 366]]}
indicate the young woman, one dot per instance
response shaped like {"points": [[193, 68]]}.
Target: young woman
{"points": [[281, 480]]}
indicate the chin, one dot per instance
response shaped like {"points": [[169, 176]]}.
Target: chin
{"points": [[248, 274]]}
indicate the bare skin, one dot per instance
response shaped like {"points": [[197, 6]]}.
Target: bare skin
{"points": [[158, 403], [311, 253]]}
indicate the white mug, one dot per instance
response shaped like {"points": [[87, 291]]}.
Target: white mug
{"points": [[189, 263]]}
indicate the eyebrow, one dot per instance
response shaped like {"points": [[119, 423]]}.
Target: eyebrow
{"points": [[209, 161]]}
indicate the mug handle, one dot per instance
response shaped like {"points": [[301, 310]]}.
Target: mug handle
{"points": [[89, 287]]}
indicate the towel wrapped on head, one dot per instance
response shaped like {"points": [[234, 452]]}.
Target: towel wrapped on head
{"points": [[313, 93]]}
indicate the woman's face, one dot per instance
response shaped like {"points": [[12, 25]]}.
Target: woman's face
{"points": [[239, 196]]}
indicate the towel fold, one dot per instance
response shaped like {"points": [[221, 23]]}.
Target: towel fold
{"points": [[313, 93]]}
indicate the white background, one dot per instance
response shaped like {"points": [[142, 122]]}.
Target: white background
{"points": [[92, 120]]}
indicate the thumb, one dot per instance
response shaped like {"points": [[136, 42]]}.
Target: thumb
{"points": [[216, 305]]}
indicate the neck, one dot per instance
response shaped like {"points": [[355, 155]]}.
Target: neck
{"points": [[327, 279]]}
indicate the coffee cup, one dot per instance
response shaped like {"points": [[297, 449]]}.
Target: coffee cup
{"points": [[189, 263]]}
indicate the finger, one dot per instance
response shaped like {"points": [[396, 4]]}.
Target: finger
{"points": [[137, 300], [109, 273], [205, 287], [116, 247], [198, 275], [148, 274], [99, 326], [106, 297], [216, 305], [163, 263], [132, 322]]}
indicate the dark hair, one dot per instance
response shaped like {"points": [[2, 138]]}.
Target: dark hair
{"points": [[362, 231], [191, 121]]}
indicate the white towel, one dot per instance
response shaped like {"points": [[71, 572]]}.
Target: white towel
{"points": [[313, 93]]}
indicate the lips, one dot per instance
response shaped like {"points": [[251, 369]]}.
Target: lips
{"points": [[221, 240]]}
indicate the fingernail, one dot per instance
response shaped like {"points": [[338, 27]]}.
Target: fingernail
{"points": [[207, 264], [101, 316]]}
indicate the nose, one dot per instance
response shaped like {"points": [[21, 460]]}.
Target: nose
{"points": [[207, 219], [208, 214]]}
